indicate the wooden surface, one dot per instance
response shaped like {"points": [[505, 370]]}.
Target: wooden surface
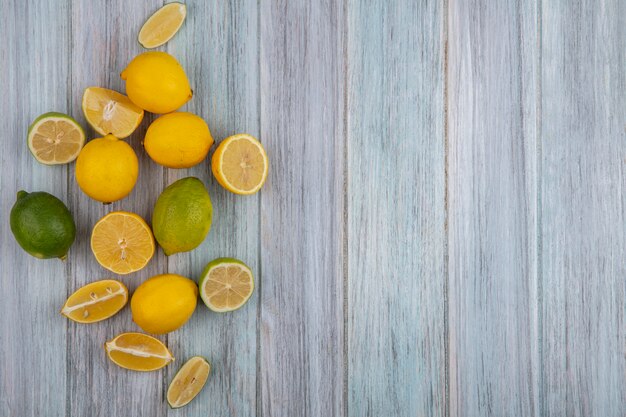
{"points": [[442, 232], [492, 221]]}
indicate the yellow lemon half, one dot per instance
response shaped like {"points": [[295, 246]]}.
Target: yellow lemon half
{"points": [[107, 169], [156, 82], [122, 242], [164, 303], [178, 140], [240, 164]]}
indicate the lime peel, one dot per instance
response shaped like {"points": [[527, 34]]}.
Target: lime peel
{"points": [[226, 284]]}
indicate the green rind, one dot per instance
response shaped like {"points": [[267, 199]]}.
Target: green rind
{"points": [[53, 115], [186, 199], [205, 274], [42, 225], [178, 373]]}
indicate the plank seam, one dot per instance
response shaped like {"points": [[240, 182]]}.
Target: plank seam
{"points": [[68, 265], [259, 314], [538, 203], [446, 254], [345, 230]]}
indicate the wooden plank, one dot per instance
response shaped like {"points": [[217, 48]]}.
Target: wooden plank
{"points": [[583, 218], [301, 362], [218, 48], [34, 53], [104, 40], [396, 209], [492, 183]]}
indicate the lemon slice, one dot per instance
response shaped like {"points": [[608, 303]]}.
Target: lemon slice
{"points": [[226, 284], [110, 112], [138, 352], [122, 242], [188, 382], [162, 25], [240, 164], [55, 138], [96, 301]]}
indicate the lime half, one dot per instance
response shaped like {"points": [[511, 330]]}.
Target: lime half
{"points": [[188, 382], [226, 284], [55, 138]]}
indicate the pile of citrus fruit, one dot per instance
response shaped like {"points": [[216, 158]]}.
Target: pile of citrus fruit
{"points": [[122, 242]]}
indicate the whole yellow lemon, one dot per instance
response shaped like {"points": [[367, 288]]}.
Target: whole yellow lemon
{"points": [[164, 303], [107, 169], [156, 82], [178, 140]]}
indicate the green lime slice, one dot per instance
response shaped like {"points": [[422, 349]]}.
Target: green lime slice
{"points": [[226, 284], [55, 138]]}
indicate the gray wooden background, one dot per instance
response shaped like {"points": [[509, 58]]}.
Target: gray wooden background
{"points": [[442, 232]]}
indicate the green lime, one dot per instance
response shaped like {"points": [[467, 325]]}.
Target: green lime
{"points": [[42, 225], [226, 284], [182, 216]]}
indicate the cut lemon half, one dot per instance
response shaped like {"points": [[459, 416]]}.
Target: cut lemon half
{"points": [[188, 382], [138, 352], [110, 112], [122, 242], [55, 138], [162, 25], [96, 301], [226, 284], [240, 164]]}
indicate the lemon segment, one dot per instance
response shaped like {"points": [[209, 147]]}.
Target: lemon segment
{"points": [[188, 382], [162, 25], [122, 242], [226, 284], [96, 301], [55, 138], [108, 111], [138, 352], [240, 164]]}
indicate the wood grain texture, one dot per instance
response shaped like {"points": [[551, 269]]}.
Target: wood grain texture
{"points": [[396, 209], [301, 350], [32, 333], [492, 208], [442, 232], [104, 40], [583, 219], [218, 47]]}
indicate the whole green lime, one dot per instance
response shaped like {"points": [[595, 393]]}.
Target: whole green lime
{"points": [[42, 225], [182, 216]]}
